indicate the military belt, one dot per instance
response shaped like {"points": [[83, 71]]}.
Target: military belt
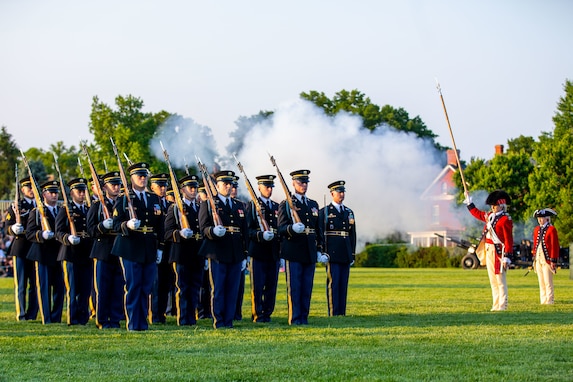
{"points": [[232, 229], [336, 233], [274, 230], [308, 231], [197, 236], [144, 229], [82, 234]]}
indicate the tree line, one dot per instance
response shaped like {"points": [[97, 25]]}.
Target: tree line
{"points": [[536, 173]]}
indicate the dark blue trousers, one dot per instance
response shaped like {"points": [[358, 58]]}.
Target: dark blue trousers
{"points": [[109, 291], [25, 285], [188, 281], [299, 280], [79, 284], [264, 279], [224, 288], [337, 288], [162, 286], [50, 286], [139, 280]]}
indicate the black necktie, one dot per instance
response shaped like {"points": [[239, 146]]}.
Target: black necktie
{"points": [[270, 205], [304, 201], [194, 206], [227, 203]]}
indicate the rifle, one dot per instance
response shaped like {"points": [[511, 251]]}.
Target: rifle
{"points": [[39, 203], [260, 215], [105, 166], [65, 197], [294, 214], [129, 162], [176, 193], [210, 194], [98, 191], [16, 206], [132, 214], [186, 166], [88, 196]]}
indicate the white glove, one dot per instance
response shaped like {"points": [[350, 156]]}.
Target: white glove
{"points": [[186, 233], [17, 228], [219, 230], [352, 263], [268, 235], [468, 200], [159, 256], [243, 265], [73, 239], [107, 223], [206, 266], [133, 224], [506, 260], [322, 257], [47, 235], [298, 227]]}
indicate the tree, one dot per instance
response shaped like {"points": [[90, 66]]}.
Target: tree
{"points": [[67, 161], [355, 102], [551, 181], [9, 153], [521, 144], [130, 128]]}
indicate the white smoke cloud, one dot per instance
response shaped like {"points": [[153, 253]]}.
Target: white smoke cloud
{"points": [[385, 171], [184, 139]]}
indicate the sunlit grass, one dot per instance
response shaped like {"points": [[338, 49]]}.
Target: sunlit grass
{"points": [[402, 324]]}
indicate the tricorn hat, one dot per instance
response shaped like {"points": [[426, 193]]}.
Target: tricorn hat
{"points": [[543, 213], [498, 197]]}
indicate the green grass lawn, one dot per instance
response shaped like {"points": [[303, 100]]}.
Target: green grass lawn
{"points": [[402, 325]]}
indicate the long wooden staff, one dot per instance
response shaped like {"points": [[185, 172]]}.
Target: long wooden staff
{"points": [[453, 140]]}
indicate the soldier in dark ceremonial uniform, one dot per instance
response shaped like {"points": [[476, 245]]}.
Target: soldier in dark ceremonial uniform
{"points": [[108, 283], [137, 245], [264, 252], [75, 254], [301, 247], [185, 244], [339, 230], [44, 252], [24, 273], [225, 247], [165, 280]]}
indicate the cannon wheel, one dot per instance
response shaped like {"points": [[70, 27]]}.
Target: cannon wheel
{"points": [[470, 261]]}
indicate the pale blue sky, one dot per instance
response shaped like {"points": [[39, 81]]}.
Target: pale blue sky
{"points": [[501, 64]]}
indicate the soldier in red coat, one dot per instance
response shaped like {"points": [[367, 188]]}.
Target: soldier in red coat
{"points": [[498, 236], [545, 253]]}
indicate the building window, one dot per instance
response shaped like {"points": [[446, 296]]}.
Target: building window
{"points": [[436, 214], [444, 188]]}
